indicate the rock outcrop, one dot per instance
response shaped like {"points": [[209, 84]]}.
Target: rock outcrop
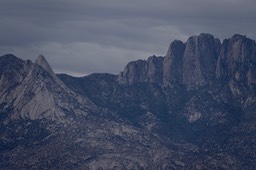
{"points": [[143, 71], [200, 59], [36, 92], [195, 62], [237, 64], [172, 65]]}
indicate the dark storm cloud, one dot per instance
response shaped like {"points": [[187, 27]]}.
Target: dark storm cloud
{"points": [[85, 36]]}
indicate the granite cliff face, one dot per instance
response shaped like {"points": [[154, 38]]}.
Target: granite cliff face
{"points": [[36, 92], [237, 64], [196, 62], [190, 63], [143, 71], [199, 59], [194, 108]]}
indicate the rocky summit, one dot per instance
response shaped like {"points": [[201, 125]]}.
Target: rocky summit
{"points": [[193, 108]]}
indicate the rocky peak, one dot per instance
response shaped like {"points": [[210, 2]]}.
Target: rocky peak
{"points": [[131, 72], [176, 48], [172, 65], [42, 62], [12, 72], [154, 69], [200, 59], [9, 60], [41, 65], [234, 52], [190, 63], [36, 92], [237, 64], [142, 71], [9, 57]]}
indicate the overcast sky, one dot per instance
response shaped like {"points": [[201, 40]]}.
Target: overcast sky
{"points": [[80, 37]]}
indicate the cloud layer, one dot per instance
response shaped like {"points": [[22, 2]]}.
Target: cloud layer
{"points": [[81, 37]]}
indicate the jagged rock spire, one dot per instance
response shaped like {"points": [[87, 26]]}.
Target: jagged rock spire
{"points": [[42, 62], [190, 63]]}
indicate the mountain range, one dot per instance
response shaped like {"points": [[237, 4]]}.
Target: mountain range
{"points": [[193, 108]]}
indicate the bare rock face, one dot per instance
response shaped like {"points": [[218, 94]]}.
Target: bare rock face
{"points": [[172, 66], [192, 63], [36, 92], [132, 72], [41, 61], [142, 71], [237, 63], [199, 60], [154, 69]]}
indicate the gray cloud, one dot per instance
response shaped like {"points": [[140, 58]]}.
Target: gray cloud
{"points": [[81, 37]]}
